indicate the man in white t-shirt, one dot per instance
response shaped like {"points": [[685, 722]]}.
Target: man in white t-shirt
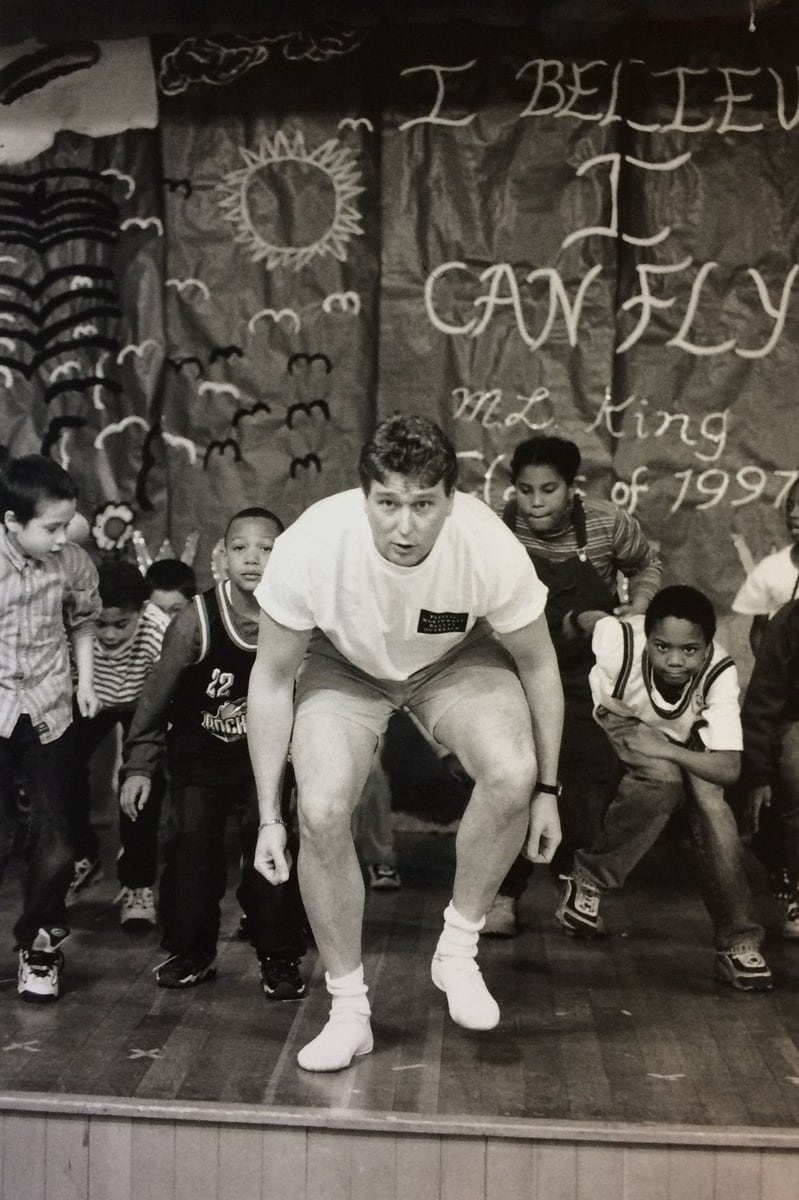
{"points": [[666, 695], [402, 594]]}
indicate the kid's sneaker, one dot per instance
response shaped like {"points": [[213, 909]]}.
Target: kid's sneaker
{"points": [[184, 971], [41, 967], [578, 911], [87, 871], [137, 907], [281, 979], [790, 919], [383, 877], [744, 968], [786, 898], [501, 919]]}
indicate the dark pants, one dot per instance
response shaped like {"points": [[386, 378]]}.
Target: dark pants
{"points": [[46, 772], [776, 842], [195, 875], [137, 865], [589, 771], [649, 793]]}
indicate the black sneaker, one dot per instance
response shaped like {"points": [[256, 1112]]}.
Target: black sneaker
{"points": [[578, 911], [87, 871], [184, 971], [383, 877], [744, 968], [281, 979]]}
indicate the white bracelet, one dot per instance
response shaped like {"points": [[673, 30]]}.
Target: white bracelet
{"points": [[274, 821]]}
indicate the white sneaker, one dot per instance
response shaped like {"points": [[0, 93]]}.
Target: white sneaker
{"points": [[500, 918], [469, 1000], [137, 905], [41, 967]]}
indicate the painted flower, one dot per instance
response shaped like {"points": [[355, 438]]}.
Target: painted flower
{"points": [[113, 525]]}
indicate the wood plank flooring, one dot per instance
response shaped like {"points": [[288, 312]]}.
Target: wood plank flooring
{"points": [[633, 1029]]}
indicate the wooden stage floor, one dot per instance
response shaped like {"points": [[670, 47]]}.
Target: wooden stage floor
{"points": [[632, 1030]]}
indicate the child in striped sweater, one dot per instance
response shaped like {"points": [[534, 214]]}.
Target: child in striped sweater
{"points": [[127, 643]]}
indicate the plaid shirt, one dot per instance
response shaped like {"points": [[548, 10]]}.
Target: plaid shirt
{"points": [[41, 601]]}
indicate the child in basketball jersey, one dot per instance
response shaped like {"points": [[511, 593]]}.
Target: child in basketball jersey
{"points": [[666, 696], [195, 701], [127, 642]]}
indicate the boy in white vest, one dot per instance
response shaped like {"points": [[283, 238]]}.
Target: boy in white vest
{"points": [[666, 695]]}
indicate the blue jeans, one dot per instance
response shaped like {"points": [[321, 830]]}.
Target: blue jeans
{"points": [[46, 772], [649, 792]]}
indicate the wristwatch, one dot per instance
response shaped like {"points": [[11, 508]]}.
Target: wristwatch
{"points": [[550, 789]]}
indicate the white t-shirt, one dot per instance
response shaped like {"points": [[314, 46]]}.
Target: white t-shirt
{"points": [[621, 681], [391, 621], [769, 585]]}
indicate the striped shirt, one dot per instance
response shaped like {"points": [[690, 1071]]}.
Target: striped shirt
{"points": [[119, 676], [41, 602], [614, 542]]}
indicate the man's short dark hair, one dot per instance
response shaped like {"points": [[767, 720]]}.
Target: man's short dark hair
{"points": [[171, 575], [685, 603], [121, 584], [254, 513], [27, 482], [546, 451], [409, 445]]}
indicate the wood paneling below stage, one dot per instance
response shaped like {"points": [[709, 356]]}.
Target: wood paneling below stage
{"points": [[84, 1149]]}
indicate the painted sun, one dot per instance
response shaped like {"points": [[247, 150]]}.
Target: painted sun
{"points": [[290, 204]]}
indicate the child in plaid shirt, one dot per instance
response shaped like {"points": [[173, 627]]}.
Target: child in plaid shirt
{"points": [[48, 599]]}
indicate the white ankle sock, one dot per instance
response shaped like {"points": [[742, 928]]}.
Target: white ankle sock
{"points": [[455, 972], [347, 1033], [459, 937]]}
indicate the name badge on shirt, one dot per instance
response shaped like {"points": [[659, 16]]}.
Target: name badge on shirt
{"points": [[441, 622]]}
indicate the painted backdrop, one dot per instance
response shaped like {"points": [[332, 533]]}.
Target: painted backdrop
{"points": [[211, 305]]}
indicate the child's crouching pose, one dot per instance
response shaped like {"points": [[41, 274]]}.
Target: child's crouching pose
{"points": [[48, 596], [199, 688], [127, 642], [666, 696]]}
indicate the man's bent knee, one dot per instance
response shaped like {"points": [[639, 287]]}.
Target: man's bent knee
{"points": [[510, 782], [325, 819]]}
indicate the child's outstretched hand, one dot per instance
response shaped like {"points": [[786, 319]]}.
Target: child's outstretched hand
{"points": [[134, 794], [272, 859]]}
